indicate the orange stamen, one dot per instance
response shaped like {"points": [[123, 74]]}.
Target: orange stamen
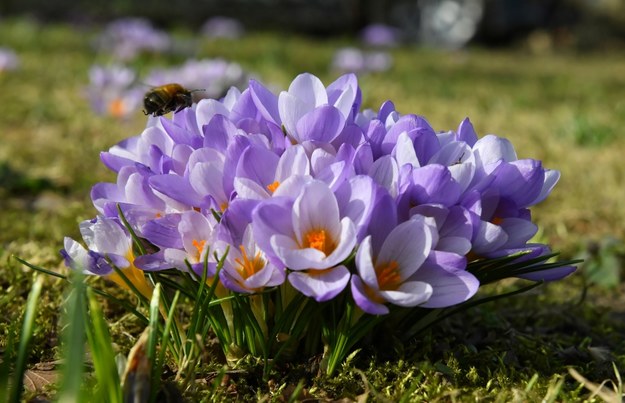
{"points": [[223, 206], [199, 245], [497, 220], [273, 186], [116, 108], [317, 239], [388, 275], [248, 267]]}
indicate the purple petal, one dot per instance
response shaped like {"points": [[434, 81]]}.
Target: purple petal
{"points": [[322, 285], [450, 285], [258, 164], [265, 101], [163, 232], [322, 124], [218, 133], [362, 299], [176, 187], [466, 132]]}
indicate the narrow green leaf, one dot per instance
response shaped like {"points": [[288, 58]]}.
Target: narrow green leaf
{"points": [[102, 354], [28, 325], [74, 341]]}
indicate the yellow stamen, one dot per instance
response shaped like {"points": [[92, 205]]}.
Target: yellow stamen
{"points": [[388, 275], [317, 239], [134, 275], [248, 267], [223, 206], [273, 186]]}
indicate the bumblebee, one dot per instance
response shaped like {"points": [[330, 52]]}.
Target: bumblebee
{"points": [[166, 98]]}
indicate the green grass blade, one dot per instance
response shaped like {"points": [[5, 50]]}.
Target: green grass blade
{"points": [[153, 339], [102, 354], [74, 338], [39, 269], [28, 325], [158, 363]]}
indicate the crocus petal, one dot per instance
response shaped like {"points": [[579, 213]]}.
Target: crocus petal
{"points": [[322, 124], [362, 299], [409, 294], [408, 245], [450, 287], [490, 149], [322, 285], [551, 178]]}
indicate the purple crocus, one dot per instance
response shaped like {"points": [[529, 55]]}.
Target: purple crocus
{"points": [[380, 35], [312, 239], [223, 27], [127, 37], [112, 91], [108, 243], [8, 60]]}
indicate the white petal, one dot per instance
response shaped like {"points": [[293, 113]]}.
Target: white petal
{"points": [[316, 209], [409, 294], [249, 189], [309, 89], [364, 264], [409, 245], [386, 173], [293, 161], [404, 151]]}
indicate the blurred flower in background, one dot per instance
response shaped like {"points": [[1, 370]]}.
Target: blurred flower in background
{"points": [[8, 60], [112, 90], [126, 38], [214, 76], [380, 35], [223, 27], [354, 60]]}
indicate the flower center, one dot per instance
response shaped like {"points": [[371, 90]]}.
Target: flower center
{"points": [[223, 206], [388, 275], [273, 186], [497, 220], [248, 267], [317, 239], [116, 108], [199, 245]]}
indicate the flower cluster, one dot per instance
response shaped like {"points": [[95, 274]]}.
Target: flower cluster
{"points": [[305, 190]]}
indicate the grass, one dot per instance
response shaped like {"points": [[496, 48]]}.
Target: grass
{"points": [[565, 109]]}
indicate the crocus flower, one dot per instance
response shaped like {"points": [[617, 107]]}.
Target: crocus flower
{"points": [[384, 277], [108, 243], [312, 240], [223, 27], [380, 35], [126, 38], [8, 60], [112, 91], [354, 60]]}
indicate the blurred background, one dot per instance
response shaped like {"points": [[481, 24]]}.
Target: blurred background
{"points": [[448, 23]]}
